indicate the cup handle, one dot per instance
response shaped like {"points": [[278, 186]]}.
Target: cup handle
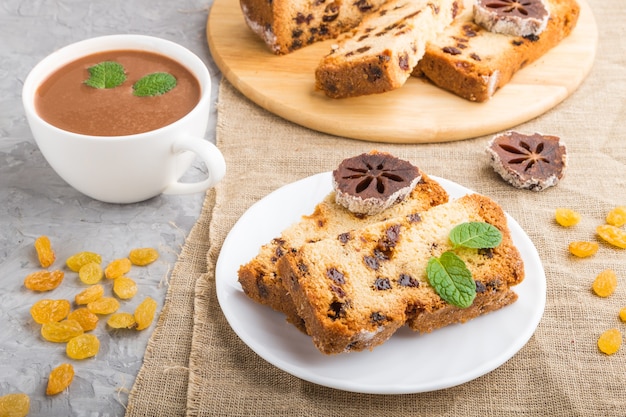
{"points": [[212, 158]]}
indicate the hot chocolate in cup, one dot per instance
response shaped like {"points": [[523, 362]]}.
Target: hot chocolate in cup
{"points": [[121, 166]]}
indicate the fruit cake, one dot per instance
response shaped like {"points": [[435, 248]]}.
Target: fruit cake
{"points": [[472, 62], [288, 25], [259, 277], [381, 52], [355, 291]]}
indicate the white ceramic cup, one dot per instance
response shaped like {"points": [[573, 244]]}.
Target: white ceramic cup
{"points": [[132, 168]]}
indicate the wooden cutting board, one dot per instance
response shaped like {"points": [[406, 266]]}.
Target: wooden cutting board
{"points": [[416, 113]]}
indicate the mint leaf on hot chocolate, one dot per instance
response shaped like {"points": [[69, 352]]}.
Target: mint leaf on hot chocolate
{"points": [[154, 84], [111, 74], [107, 74]]}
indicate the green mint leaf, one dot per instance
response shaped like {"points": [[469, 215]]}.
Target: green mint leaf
{"points": [[478, 235], [107, 74], [154, 84], [451, 279]]}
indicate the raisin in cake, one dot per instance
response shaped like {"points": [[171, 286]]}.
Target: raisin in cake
{"points": [[474, 63], [260, 279], [355, 292], [379, 54], [287, 25]]}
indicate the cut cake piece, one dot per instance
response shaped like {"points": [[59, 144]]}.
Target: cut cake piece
{"points": [[380, 53], [260, 279], [473, 63], [288, 25], [354, 293]]}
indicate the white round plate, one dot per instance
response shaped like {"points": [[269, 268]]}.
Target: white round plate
{"points": [[408, 362]]}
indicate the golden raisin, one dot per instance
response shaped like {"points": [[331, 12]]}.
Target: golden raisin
{"points": [[89, 295], [91, 273], [78, 260], [44, 280], [617, 216], [124, 288], [62, 331], [143, 256], [83, 346], [567, 217], [605, 283], [613, 235], [144, 313], [14, 405], [104, 305], [45, 254], [610, 341], [583, 249], [117, 268], [60, 378], [48, 311], [122, 321], [88, 320]]}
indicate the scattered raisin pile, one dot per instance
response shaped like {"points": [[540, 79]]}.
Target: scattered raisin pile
{"points": [[61, 323], [605, 283]]}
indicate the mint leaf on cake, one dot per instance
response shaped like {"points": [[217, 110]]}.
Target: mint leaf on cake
{"points": [[451, 279], [477, 235]]}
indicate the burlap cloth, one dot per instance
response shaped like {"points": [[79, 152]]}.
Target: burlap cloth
{"points": [[196, 365]]}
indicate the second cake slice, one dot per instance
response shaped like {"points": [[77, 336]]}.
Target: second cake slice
{"points": [[474, 63], [379, 55], [259, 277], [354, 293]]}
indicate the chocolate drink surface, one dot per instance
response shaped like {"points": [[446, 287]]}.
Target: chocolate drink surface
{"points": [[67, 102]]}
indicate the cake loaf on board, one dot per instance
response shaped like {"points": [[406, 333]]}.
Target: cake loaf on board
{"points": [[473, 63], [380, 53], [288, 25]]}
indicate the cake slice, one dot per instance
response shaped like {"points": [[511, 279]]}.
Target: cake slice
{"points": [[473, 63], [355, 292], [288, 25], [260, 279], [379, 54]]}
